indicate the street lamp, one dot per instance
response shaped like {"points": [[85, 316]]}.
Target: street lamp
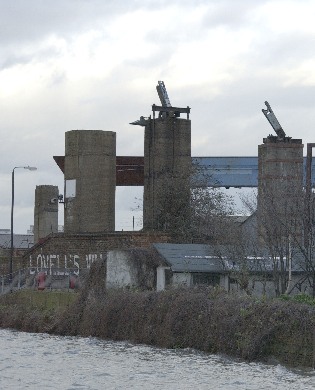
{"points": [[12, 207]]}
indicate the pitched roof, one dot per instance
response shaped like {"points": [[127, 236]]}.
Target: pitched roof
{"points": [[190, 257], [207, 258], [20, 241]]}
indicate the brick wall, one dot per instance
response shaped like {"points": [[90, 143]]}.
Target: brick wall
{"points": [[18, 260], [79, 251]]}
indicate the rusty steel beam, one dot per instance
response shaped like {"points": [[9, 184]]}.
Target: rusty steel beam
{"points": [[129, 169], [171, 109]]}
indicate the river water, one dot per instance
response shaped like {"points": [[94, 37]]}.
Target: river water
{"points": [[40, 361]]}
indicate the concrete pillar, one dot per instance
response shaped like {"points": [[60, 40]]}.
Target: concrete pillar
{"points": [[90, 181], [167, 169], [45, 211], [160, 278], [280, 187]]}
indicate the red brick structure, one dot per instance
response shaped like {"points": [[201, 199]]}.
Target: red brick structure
{"points": [[78, 251]]}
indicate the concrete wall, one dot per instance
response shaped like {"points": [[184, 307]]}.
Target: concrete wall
{"points": [[130, 269], [167, 167], [160, 278], [90, 181], [119, 272], [45, 211]]}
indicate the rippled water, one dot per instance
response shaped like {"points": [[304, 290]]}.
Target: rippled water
{"points": [[41, 361]]}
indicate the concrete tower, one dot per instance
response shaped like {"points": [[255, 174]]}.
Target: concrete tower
{"points": [[90, 181], [280, 187], [45, 211], [167, 169]]}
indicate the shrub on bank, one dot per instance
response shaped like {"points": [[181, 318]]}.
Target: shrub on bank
{"points": [[33, 311], [201, 319]]}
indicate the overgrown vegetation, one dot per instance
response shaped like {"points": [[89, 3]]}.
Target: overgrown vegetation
{"points": [[32, 310], [302, 298], [203, 319], [207, 319]]}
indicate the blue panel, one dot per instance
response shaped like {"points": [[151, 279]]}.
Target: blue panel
{"points": [[227, 171], [232, 171]]}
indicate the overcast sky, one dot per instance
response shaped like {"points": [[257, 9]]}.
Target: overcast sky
{"points": [[94, 64]]}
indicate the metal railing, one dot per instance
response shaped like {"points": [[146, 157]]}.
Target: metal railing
{"points": [[43, 279]]}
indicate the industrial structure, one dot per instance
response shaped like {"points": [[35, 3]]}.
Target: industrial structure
{"points": [[89, 199], [92, 171], [90, 181], [45, 211], [165, 169], [167, 165], [280, 183]]}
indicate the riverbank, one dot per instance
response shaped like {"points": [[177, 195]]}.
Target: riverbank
{"points": [[206, 319]]}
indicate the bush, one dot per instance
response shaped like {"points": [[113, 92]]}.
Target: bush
{"points": [[301, 298]]}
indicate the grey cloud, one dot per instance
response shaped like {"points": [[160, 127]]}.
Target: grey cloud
{"points": [[218, 12], [169, 40], [30, 21], [232, 123], [13, 57], [23, 25], [231, 14], [286, 49], [24, 21]]}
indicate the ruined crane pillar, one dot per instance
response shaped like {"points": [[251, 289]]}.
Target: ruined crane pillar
{"points": [[280, 183], [167, 167]]}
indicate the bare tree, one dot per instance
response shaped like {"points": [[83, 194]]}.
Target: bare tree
{"points": [[199, 214], [285, 230], [211, 215]]}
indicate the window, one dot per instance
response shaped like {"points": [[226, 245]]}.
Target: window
{"points": [[207, 278], [70, 188]]}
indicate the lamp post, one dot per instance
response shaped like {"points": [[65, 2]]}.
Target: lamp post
{"points": [[12, 207]]}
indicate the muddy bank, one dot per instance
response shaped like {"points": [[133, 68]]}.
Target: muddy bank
{"points": [[205, 319]]}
